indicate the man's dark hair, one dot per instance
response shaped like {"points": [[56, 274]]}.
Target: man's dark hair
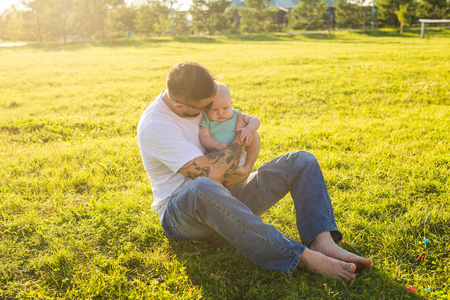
{"points": [[190, 81]]}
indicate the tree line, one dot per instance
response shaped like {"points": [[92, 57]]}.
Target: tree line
{"points": [[43, 20]]}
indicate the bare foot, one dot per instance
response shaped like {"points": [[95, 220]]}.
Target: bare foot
{"points": [[329, 267], [324, 244]]}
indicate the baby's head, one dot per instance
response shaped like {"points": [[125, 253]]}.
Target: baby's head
{"points": [[222, 106]]}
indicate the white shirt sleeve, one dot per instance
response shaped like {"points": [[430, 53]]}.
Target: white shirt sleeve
{"points": [[166, 143]]}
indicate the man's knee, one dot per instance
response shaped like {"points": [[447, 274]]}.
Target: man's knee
{"points": [[302, 161], [304, 157], [205, 193], [190, 194]]}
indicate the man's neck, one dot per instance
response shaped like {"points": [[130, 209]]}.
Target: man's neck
{"points": [[172, 107], [168, 102]]}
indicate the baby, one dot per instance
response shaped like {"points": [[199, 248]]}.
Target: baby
{"points": [[218, 127]]}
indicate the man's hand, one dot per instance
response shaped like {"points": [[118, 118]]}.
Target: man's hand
{"points": [[240, 175]]}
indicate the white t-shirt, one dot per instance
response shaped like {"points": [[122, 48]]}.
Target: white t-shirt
{"points": [[167, 142]]}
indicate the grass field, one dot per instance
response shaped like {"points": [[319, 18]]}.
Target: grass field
{"points": [[75, 217]]}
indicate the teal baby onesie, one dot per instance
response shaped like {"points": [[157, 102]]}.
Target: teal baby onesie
{"points": [[224, 132]]}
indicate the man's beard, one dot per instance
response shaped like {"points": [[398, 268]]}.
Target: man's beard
{"points": [[188, 116]]}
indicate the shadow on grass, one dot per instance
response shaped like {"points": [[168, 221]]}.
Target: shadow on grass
{"points": [[156, 42], [224, 273], [117, 43], [388, 33], [409, 32], [261, 37], [153, 42], [197, 39], [321, 36]]}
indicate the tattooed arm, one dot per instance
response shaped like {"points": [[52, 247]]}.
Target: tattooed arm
{"points": [[243, 172], [219, 165]]}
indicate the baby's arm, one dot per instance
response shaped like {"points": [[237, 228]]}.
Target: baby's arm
{"points": [[208, 141], [253, 124]]}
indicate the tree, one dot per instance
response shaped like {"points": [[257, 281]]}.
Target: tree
{"points": [[200, 15], [61, 18], [90, 15], [119, 20], [37, 9], [181, 23], [163, 25], [125, 16], [308, 15], [248, 20], [219, 18], [211, 16], [110, 26], [257, 4], [3, 25], [14, 24], [352, 14], [56, 19], [387, 10], [403, 16], [150, 16], [257, 16], [434, 9]]}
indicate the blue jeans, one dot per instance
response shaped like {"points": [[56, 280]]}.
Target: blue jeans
{"points": [[205, 207]]}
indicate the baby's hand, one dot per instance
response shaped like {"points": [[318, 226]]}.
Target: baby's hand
{"points": [[220, 146], [246, 134]]}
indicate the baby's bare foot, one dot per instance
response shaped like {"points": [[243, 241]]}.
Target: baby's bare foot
{"points": [[329, 267]]}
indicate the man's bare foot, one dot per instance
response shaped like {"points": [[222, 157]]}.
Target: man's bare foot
{"points": [[324, 244], [316, 262]]}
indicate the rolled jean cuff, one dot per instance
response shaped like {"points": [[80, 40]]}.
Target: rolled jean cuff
{"points": [[295, 262], [336, 235]]}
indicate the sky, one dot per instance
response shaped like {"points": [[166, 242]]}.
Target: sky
{"points": [[4, 4]]}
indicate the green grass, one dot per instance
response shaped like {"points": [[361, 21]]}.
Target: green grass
{"points": [[75, 217]]}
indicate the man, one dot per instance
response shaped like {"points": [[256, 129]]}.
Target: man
{"points": [[197, 194]]}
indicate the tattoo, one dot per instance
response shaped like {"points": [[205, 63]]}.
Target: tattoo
{"points": [[236, 149], [216, 159], [230, 171], [196, 171]]}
